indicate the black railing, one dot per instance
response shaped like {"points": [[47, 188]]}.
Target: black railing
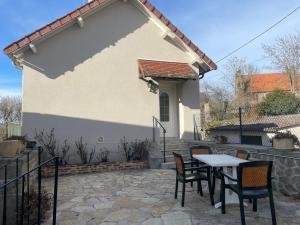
{"points": [[156, 123], [25, 180]]}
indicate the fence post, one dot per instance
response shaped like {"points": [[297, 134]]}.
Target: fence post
{"points": [[55, 191], [241, 125]]}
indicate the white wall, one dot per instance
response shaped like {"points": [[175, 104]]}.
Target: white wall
{"points": [[84, 82], [234, 136]]}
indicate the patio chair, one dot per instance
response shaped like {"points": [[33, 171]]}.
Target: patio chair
{"points": [[199, 149], [253, 181], [184, 177], [241, 154]]}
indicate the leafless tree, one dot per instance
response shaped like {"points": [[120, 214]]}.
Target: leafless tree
{"points": [[81, 150], [237, 76], [48, 141], [10, 109], [218, 99], [285, 56]]}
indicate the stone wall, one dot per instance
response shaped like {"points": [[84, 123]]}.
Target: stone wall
{"points": [[48, 171], [286, 163]]}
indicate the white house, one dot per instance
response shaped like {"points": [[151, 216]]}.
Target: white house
{"points": [[104, 70]]}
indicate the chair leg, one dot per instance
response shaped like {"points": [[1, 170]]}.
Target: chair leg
{"points": [[222, 197], [200, 188], [214, 181], [183, 194], [209, 186], [242, 211], [272, 207], [254, 205], [176, 188]]}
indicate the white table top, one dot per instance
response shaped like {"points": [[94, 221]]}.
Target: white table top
{"points": [[217, 160]]}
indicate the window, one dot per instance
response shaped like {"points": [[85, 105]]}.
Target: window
{"points": [[164, 107]]}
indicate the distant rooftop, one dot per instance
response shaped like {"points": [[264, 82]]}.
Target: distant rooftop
{"points": [[267, 82]]}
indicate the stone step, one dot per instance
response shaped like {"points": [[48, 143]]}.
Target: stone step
{"points": [[170, 158], [168, 165], [178, 151], [168, 145]]}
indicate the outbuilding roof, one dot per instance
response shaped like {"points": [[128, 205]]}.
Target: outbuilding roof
{"points": [[68, 18], [162, 69], [264, 124]]}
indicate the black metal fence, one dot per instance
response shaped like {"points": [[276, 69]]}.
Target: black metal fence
{"points": [[248, 126], [23, 201]]}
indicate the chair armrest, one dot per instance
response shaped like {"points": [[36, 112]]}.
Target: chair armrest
{"points": [[196, 168], [228, 176]]}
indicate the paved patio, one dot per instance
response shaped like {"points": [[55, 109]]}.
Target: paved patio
{"points": [[146, 197]]}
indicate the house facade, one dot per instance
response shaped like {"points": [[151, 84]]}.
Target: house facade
{"points": [[105, 70]]}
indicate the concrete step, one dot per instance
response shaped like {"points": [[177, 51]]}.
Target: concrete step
{"points": [[168, 165], [170, 158], [182, 145]]}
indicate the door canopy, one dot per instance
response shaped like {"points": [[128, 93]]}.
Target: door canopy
{"points": [[166, 70]]}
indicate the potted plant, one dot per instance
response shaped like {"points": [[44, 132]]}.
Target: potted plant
{"points": [[13, 146], [285, 140], [220, 139]]}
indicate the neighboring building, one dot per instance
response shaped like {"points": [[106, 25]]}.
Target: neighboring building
{"points": [[259, 85], [105, 70], [259, 132]]}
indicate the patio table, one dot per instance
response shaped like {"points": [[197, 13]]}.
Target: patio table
{"points": [[226, 162]]}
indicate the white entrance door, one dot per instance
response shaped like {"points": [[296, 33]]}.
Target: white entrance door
{"points": [[168, 110]]}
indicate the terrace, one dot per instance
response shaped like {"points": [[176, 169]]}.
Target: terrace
{"points": [[147, 197]]}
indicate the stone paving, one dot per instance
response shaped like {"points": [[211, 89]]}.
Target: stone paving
{"points": [[146, 197]]}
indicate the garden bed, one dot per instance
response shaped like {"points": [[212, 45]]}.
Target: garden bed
{"points": [[72, 169]]}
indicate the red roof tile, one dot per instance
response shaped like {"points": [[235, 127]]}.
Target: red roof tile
{"points": [[162, 69], [263, 83], [89, 6]]}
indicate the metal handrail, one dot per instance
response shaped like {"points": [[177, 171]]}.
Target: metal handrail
{"points": [[155, 123], [23, 178]]}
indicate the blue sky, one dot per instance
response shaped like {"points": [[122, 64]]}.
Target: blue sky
{"points": [[216, 26]]}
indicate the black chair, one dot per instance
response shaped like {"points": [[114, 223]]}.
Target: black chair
{"points": [[198, 150], [253, 181], [184, 177], [241, 154]]}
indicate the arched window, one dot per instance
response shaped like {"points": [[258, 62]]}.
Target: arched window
{"points": [[164, 107]]}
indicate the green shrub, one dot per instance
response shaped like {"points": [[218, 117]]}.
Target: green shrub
{"points": [[278, 103]]}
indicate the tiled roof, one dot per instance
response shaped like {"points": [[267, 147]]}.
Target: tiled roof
{"points": [[88, 7], [262, 83], [161, 69]]}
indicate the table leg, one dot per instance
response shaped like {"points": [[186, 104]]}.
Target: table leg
{"points": [[230, 196]]}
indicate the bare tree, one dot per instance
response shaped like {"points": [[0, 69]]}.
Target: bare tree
{"points": [[285, 56], [10, 109], [48, 141], [218, 99], [237, 76]]}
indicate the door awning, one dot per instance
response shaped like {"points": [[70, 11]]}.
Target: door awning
{"points": [[166, 70]]}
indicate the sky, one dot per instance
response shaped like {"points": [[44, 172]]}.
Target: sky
{"points": [[216, 26]]}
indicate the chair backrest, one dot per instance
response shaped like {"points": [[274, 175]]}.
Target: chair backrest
{"points": [[179, 163], [200, 149], [242, 154], [255, 175]]}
